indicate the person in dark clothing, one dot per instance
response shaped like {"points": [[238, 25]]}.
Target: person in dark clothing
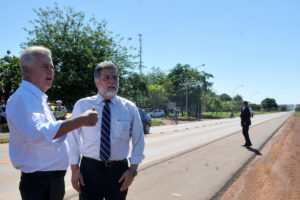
{"points": [[246, 122]]}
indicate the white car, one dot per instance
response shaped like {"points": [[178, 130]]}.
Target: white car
{"points": [[157, 113]]}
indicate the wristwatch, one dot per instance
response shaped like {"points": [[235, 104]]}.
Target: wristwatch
{"points": [[133, 171]]}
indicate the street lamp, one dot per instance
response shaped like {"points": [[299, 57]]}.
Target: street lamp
{"points": [[236, 89]]}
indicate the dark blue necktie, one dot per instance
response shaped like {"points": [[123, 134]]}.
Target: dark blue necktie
{"points": [[105, 132]]}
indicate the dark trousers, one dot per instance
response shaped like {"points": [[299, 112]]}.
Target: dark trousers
{"points": [[246, 135], [42, 185], [102, 181]]}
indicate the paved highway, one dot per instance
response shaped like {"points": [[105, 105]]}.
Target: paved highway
{"points": [[167, 143]]}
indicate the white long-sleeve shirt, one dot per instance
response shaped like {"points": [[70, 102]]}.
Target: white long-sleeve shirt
{"points": [[32, 129], [125, 119]]}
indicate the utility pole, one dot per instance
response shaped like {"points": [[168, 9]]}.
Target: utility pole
{"points": [[140, 39]]}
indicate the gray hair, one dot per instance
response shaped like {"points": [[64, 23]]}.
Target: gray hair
{"points": [[31, 54], [104, 65]]}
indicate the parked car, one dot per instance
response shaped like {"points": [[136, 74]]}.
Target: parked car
{"points": [[2, 115], [148, 110], [146, 120], [157, 113]]}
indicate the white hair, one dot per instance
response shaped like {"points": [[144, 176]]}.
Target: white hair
{"points": [[30, 55]]}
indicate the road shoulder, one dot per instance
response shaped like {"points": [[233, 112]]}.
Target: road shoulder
{"points": [[276, 174]]}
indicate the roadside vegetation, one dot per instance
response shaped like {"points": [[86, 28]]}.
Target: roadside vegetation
{"points": [[4, 128], [69, 33], [4, 140], [79, 44], [156, 122]]}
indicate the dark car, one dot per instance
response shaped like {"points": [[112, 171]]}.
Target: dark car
{"points": [[146, 120], [2, 114]]}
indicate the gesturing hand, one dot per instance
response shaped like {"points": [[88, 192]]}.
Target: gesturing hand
{"points": [[91, 117]]}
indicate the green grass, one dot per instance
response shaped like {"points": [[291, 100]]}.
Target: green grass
{"points": [[4, 128], [297, 113], [218, 115], [4, 140], [157, 122]]}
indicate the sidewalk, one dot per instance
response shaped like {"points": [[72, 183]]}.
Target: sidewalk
{"points": [[4, 135]]}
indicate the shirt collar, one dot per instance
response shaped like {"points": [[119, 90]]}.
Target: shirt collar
{"points": [[100, 99], [35, 90]]}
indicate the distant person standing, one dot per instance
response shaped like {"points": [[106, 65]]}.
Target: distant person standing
{"points": [[231, 113], [60, 111], [37, 145], [246, 122]]}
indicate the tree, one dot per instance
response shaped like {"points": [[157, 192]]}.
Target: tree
{"points": [[135, 88], [269, 104], [156, 76], [255, 106], [227, 106], [10, 75], [225, 97], [215, 105], [238, 99], [157, 96], [297, 108], [77, 46], [187, 82], [283, 108]]}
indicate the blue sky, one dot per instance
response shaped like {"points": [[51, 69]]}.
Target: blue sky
{"points": [[252, 47]]}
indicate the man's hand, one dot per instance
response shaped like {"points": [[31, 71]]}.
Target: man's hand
{"points": [[127, 179], [90, 117], [76, 179]]}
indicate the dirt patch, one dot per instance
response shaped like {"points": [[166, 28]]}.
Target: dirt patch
{"points": [[181, 121], [276, 174]]}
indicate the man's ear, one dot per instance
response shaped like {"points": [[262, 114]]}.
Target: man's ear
{"points": [[26, 71], [96, 82]]}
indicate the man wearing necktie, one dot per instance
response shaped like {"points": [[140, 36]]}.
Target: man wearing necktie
{"points": [[104, 172]]}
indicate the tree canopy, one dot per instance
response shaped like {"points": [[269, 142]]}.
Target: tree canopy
{"points": [[225, 97], [269, 104], [10, 75], [77, 45]]}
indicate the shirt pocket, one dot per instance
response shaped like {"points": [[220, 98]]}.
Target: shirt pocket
{"points": [[122, 129]]}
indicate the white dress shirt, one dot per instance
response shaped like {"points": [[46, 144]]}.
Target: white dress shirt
{"points": [[125, 119], [32, 129]]}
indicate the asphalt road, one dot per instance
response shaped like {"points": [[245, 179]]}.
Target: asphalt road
{"points": [[201, 172], [188, 161]]}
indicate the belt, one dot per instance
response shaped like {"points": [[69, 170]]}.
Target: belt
{"points": [[60, 173], [108, 163]]}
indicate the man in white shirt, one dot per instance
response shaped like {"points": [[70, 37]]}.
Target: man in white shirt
{"points": [[104, 171], [37, 144]]}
